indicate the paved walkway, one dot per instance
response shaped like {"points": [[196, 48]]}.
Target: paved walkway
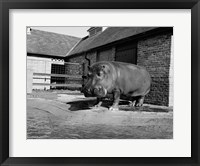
{"points": [[69, 116]]}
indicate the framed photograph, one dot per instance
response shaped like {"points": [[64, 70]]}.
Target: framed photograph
{"points": [[103, 82]]}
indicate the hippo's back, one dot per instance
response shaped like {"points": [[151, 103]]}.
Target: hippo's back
{"points": [[132, 79]]}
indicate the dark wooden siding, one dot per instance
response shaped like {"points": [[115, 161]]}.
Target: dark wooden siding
{"points": [[105, 55], [127, 53]]}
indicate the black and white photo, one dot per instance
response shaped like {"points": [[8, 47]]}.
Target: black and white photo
{"points": [[99, 82]]}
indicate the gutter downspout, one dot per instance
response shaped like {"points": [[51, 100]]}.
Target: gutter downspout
{"points": [[89, 61], [84, 74]]}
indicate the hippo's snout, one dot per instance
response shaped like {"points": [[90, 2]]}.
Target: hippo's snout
{"points": [[100, 91], [86, 91]]}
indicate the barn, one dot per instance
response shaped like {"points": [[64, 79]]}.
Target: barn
{"points": [[45, 56], [151, 47]]}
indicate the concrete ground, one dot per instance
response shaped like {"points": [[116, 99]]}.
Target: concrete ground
{"points": [[69, 115]]}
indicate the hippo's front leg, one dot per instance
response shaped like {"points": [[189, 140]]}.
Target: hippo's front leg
{"points": [[98, 102], [115, 105]]}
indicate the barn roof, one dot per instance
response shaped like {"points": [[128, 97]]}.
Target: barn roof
{"points": [[49, 43], [110, 35]]}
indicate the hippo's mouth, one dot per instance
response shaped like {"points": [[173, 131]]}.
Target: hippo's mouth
{"points": [[100, 92]]}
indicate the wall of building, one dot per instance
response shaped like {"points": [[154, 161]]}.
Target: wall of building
{"points": [[92, 56], [29, 81], [154, 53], [78, 70], [106, 55], [171, 74], [74, 69], [41, 65]]}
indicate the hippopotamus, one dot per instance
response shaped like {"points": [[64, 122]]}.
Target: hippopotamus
{"points": [[118, 79]]}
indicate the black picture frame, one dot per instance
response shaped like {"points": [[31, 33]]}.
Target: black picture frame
{"points": [[5, 5]]}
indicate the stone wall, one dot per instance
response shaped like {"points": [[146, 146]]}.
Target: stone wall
{"points": [[81, 68], [154, 53], [78, 69]]}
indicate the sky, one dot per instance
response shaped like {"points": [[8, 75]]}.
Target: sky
{"points": [[71, 31]]}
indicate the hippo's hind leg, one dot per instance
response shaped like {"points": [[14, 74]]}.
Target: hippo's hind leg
{"points": [[132, 103], [139, 101]]}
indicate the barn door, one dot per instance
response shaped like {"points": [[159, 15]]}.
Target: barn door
{"points": [[127, 53]]}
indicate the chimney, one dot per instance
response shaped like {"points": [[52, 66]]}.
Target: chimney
{"points": [[94, 30]]}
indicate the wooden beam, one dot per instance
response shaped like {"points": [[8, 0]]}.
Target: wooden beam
{"points": [[71, 63], [58, 85], [58, 75]]}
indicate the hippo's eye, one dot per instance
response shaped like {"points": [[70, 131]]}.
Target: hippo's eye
{"points": [[99, 74]]}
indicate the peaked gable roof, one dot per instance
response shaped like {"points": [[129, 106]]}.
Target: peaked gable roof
{"points": [[109, 35], [49, 43]]}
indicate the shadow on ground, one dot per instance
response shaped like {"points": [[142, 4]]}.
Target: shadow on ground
{"points": [[123, 106]]}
